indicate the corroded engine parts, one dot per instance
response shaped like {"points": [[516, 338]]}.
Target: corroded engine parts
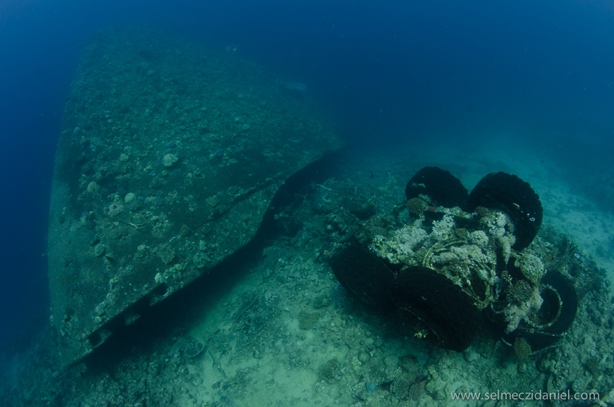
{"points": [[513, 196], [439, 186]]}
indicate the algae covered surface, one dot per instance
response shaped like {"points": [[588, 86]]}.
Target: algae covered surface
{"points": [[169, 158]]}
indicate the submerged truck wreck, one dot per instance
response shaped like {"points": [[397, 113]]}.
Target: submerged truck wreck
{"points": [[169, 158]]}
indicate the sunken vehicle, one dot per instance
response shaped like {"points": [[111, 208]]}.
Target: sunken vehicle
{"points": [[463, 261]]}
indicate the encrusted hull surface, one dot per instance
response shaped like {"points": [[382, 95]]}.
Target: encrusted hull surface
{"points": [[169, 158]]}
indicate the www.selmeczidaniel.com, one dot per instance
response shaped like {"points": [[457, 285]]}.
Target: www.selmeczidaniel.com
{"points": [[525, 396]]}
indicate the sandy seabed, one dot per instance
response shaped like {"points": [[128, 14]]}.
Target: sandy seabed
{"points": [[285, 333]]}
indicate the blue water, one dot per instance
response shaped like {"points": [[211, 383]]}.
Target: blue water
{"points": [[391, 72]]}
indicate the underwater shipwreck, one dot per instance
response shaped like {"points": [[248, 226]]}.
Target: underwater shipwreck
{"points": [[169, 159], [176, 159]]}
